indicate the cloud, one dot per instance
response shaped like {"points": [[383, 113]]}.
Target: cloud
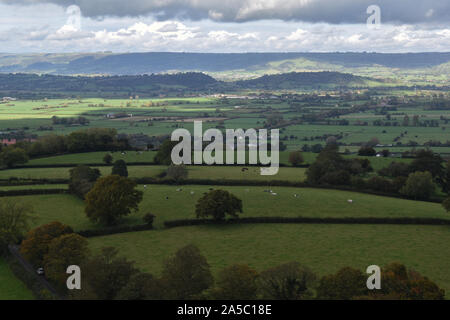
{"points": [[329, 11]]}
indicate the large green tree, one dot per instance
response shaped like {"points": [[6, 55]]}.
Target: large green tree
{"points": [[236, 282], [15, 218], [419, 185], [82, 179], [64, 251], [289, 281], [35, 245], [111, 198], [186, 274], [218, 204], [11, 156]]}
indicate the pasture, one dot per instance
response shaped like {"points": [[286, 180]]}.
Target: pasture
{"points": [[166, 203], [323, 248]]}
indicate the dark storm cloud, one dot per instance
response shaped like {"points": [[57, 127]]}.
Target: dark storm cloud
{"points": [[330, 11]]}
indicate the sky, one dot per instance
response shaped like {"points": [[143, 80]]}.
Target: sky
{"points": [[39, 26]]}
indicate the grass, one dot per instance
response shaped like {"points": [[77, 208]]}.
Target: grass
{"points": [[12, 288], [93, 157], [256, 203], [200, 172], [324, 248]]}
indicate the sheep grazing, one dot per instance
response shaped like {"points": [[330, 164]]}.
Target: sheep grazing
{"points": [[179, 189], [145, 186], [296, 195], [274, 194], [350, 201], [192, 192]]}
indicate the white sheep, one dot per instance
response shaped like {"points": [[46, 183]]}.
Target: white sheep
{"points": [[350, 201]]}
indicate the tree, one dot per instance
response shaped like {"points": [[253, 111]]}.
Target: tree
{"points": [[289, 281], [164, 154], [329, 168], [419, 185], [64, 251], [177, 173], [346, 284], [237, 282], [82, 179], [105, 275], [108, 158], [296, 158], [367, 151], [14, 220], [397, 282], [446, 204], [218, 204], [12, 156], [426, 160], [142, 286], [111, 198], [120, 168], [446, 179], [186, 274], [35, 245]]}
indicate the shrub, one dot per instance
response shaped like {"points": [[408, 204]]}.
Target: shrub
{"points": [[149, 218], [446, 204], [367, 151], [296, 158], [108, 158], [344, 285]]}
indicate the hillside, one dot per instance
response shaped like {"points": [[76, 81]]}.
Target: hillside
{"points": [[157, 62]]}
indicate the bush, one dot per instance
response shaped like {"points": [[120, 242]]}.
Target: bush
{"points": [[296, 158], [344, 285], [177, 172], [446, 204], [120, 168], [108, 158], [82, 179], [367, 151], [149, 218]]}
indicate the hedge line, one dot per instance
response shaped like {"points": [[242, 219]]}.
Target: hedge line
{"points": [[305, 220], [102, 164], [114, 230], [29, 192]]}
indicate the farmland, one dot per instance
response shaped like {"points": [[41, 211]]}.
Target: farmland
{"points": [[324, 248], [166, 203]]}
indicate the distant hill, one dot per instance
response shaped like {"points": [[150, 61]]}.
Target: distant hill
{"points": [[296, 80], [32, 86], [163, 62]]}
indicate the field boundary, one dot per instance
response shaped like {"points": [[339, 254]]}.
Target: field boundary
{"points": [[31, 192], [305, 220]]}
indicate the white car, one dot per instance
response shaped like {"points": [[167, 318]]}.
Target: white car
{"points": [[40, 271]]}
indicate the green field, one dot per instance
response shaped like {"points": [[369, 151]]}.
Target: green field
{"points": [[199, 172], [256, 203], [11, 288], [93, 157], [324, 248]]}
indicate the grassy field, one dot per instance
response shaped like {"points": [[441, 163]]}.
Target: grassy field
{"points": [[199, 172], [93, 157], [256, 203], [324, 248], [12, 288]]}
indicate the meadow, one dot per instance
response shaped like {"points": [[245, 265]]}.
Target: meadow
{"points": [[194, 172], [166, 203], [323, 248]]}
